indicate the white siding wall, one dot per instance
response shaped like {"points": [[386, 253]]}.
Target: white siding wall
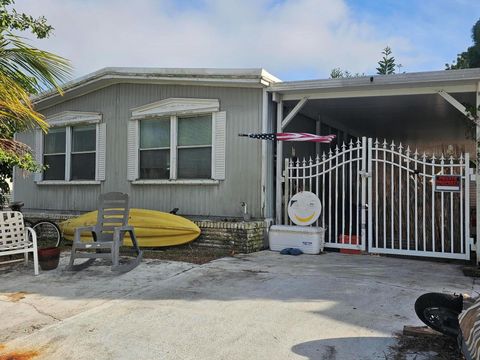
{"points": [[243, 156]]}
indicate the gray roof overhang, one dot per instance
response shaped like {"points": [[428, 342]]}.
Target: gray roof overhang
{"points": [[452, 81], [255, 78]]}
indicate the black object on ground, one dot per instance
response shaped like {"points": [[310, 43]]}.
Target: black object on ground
{"points": [[472, 271], [440, 312], [291, 251]]}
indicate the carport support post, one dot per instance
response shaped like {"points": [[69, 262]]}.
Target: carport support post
{"points": [[281, 124], [278, 177]]}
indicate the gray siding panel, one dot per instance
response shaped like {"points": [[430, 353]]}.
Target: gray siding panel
{"points": [[243, 164]]}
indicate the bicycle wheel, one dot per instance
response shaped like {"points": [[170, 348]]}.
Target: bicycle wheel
{"points": [[48, 233], [28, 223]]}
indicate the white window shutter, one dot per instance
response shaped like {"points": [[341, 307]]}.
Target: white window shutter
{"points": [[101, 149], [218, 153], [132, 156], [38, 150]]}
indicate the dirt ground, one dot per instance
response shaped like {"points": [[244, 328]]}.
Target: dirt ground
{"points": [[186, 253], [190, 254], [424, 347]]}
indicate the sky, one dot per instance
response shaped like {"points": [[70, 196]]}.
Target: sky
{"points": [[291, 39]]}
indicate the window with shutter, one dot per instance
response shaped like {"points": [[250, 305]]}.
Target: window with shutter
{"points": [[73, 150], [187, 144]]}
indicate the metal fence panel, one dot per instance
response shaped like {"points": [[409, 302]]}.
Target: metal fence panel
{"points": [[383, 195]]}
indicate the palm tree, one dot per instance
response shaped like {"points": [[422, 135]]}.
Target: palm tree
{"points": [[24, 70]]}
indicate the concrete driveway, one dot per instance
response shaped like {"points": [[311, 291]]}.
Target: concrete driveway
{"points": [[258, 306]]}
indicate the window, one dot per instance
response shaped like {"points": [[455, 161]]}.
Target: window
{"points": [[177, 141], [155, 149], [191, 148], [69, 153], [73, 150], [195, 147], [54, 154], [83, 153]]}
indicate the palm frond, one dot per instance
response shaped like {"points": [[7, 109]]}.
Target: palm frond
{"points": [[40, 69], [14, 147], [16, 110], [24, 70]]}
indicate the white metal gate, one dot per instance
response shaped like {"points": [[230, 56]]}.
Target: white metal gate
{"points": [[380, 197]]}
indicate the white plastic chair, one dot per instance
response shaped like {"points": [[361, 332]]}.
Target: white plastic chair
{"points": [[15, 239]]}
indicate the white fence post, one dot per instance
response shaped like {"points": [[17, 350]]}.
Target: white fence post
{"points": [[363, 224], [467, 210], [286, 192], [369, 192]]}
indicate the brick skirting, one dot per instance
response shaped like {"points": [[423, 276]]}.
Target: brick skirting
{"points": [[240, 236]]}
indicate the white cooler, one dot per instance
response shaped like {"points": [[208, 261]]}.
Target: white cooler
{"points": [[310, 240]]}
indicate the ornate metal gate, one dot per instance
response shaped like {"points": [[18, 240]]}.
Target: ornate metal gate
{"points": [[381, 197]]}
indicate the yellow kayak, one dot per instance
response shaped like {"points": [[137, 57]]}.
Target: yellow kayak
{"points": [[152, 228]]}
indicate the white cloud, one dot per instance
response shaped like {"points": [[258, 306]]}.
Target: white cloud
{"points": [[291, 36]]}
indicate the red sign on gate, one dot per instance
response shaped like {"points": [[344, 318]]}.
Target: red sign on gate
{"points": [[447, 182]]}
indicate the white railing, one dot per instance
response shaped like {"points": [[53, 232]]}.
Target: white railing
{"points": [[336, 178], [405, 215]]}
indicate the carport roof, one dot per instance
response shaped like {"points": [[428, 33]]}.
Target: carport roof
{"points": [[453, 81]]}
